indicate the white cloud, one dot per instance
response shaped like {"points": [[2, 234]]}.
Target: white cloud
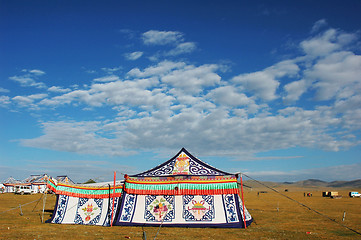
{"points": [[130, 34], [336, 75], [27, 81], [154, 37], [110, 78], [111, 70], [80, 137], [331, 69], [214, 131], [228, 96], [182, 48], [136, 92], [294, 90], [319, 25], [82, 96], [160, 69], [4, 101], [264, 84], [329, 41], [58, 89], [133, 93], [252, 158], [3, 90], [340, 172], [29, 101], [133, 56], [192, 79], [36, 72], [173, 103], [351, 113]]}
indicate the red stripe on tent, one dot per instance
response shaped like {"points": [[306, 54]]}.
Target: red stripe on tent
{"points": [[183, 191], [80, 195]]}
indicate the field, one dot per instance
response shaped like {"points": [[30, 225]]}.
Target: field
{"points": [[275, 217]]}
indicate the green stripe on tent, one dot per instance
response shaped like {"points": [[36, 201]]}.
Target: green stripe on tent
{"points": [[232, 185]]}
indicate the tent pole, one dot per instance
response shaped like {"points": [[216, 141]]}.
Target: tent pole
{"points": [[244, 216], [111, 220], [44, 203]]}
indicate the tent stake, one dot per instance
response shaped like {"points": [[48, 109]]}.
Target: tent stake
{"points": [[21, 211], [44, 202]]}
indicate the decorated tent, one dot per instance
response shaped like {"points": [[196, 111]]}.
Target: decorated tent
{"points": [[10, 184], [38, 183], [183, 191], [85, 204]]}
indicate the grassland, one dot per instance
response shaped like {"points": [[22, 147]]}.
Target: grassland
{"points": [[276, 217]]}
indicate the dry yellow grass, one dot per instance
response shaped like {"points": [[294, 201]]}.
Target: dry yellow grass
{"points": [[276, 217]]}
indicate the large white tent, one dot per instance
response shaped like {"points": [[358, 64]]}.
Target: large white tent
{"points": [[183, 191]]}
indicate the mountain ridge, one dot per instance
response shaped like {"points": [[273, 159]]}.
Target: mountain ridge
{"points": [[309, 183]]}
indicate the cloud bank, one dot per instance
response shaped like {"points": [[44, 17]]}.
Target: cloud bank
{"points": [[311, 100]]}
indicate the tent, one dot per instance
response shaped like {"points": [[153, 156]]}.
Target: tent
{"points": [[38, 182], [10, 184], [182, 192], [84, 204]]}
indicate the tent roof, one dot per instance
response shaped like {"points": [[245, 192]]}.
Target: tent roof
{"points": [[11, 180], [65, 179], [36, 179], [183, 163]]}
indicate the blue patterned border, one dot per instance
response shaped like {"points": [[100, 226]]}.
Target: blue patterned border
{"points": [[230, 208], [109, 214], [198, 169], [128, 207], [61, 209]]}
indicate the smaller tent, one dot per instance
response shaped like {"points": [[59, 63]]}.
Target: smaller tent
{"points": [[84, 204], [64, 179], [10, 184], [38, 182]]}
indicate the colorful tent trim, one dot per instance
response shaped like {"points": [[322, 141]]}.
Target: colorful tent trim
{"points": [[182, 185], [81, 191]]}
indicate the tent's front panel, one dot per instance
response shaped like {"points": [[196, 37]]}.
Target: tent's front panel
{"points": [[90, 211], [182, 210]]}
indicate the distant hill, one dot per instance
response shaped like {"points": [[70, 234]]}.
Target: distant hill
{"points": [[319, 183], [311, 183], [354, 183], [90, 181], [308, 183]]}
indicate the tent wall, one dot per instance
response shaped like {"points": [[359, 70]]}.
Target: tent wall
{"points": [[182, 211], [89, 211]]}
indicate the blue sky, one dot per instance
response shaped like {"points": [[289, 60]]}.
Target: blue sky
{"points": [[268, 88]]}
